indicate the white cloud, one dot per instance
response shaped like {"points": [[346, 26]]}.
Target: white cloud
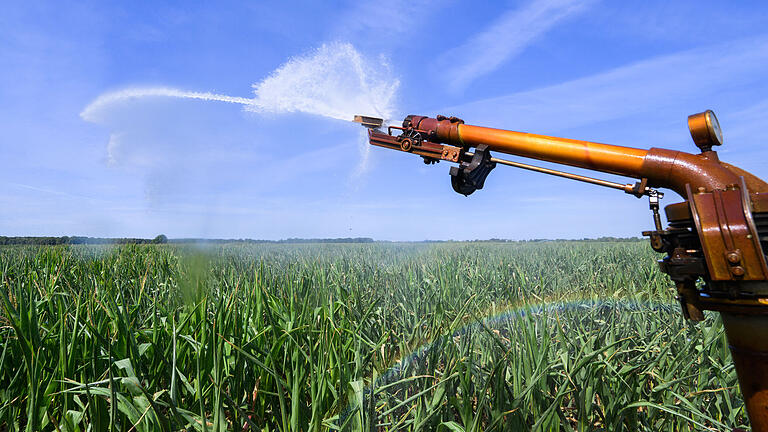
{"points": [[381, 23], [506, 37], [113, 148], [54, 192]]}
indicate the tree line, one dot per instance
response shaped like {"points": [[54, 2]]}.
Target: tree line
{"points": [[160, 239], [77, 240]]}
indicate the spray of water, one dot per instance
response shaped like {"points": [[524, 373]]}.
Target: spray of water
{"points": [[93, 111], [333, 81]]}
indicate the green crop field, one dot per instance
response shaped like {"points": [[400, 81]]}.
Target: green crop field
{"points": [[451, 336]]}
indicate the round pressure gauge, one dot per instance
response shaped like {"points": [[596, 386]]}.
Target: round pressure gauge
{"points": [[705, 130]]}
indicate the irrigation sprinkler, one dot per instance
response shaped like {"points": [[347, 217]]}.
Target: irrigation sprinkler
{"points": [[716, 240]]}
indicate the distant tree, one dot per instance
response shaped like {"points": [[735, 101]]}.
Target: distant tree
{"points": [[161, 239]]}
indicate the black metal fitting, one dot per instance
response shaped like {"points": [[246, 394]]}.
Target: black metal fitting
{"points": [[470, 175]]}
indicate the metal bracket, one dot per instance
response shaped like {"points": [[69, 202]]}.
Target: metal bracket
{"points": [[654, 197], [722, 219], [470, 175]]}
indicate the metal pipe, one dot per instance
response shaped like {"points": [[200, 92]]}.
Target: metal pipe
{"points": [[577, 177], [663, 168], [607, 158]]}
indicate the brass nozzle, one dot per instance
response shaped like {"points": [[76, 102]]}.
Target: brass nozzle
{"points": [[369, 122]]}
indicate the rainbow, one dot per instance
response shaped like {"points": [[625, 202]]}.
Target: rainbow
{"points": [[506, 315]]}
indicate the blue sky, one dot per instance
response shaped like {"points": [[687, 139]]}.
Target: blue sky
{"points": [[626, 73]]}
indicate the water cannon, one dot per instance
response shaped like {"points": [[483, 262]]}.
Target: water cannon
{"points": [[716, 240], [369, 122]]}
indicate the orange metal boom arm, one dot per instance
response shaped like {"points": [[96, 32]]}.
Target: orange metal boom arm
{"points": [[663, 168]]}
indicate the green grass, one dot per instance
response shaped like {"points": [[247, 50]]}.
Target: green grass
{"points": [[453, 337]]}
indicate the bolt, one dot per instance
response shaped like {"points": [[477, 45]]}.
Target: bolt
{"points": [[737, 271], [733, 257]]}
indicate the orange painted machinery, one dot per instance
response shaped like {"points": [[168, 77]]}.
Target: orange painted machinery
{"points": [[716, 240]]}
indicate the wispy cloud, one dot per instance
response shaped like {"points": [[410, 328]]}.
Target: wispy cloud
{"points": [[381, 23], [648, 86], [746, 128], [507, 37], [53, 192], [113, 148]]}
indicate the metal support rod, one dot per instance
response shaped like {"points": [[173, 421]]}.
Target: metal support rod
{"points": [[581, 178], [653, 201]]}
